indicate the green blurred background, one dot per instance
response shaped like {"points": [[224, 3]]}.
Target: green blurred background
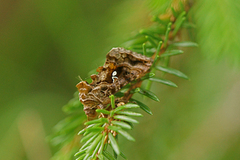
{"points": [[46, 45]]}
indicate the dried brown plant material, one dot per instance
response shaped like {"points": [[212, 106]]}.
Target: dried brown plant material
{"points": [[121, 67]]}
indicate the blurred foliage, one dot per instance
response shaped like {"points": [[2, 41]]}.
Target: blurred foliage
{"points": [[218, 29], [64, 138], [45, 45]]}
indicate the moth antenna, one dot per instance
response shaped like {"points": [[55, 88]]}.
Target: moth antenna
{"points": [[79, 77]]}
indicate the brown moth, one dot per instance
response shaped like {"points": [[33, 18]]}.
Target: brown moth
{"points": [[121, 67]]}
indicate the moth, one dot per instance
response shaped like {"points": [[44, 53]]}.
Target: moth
{"points": [[121, 67]]}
